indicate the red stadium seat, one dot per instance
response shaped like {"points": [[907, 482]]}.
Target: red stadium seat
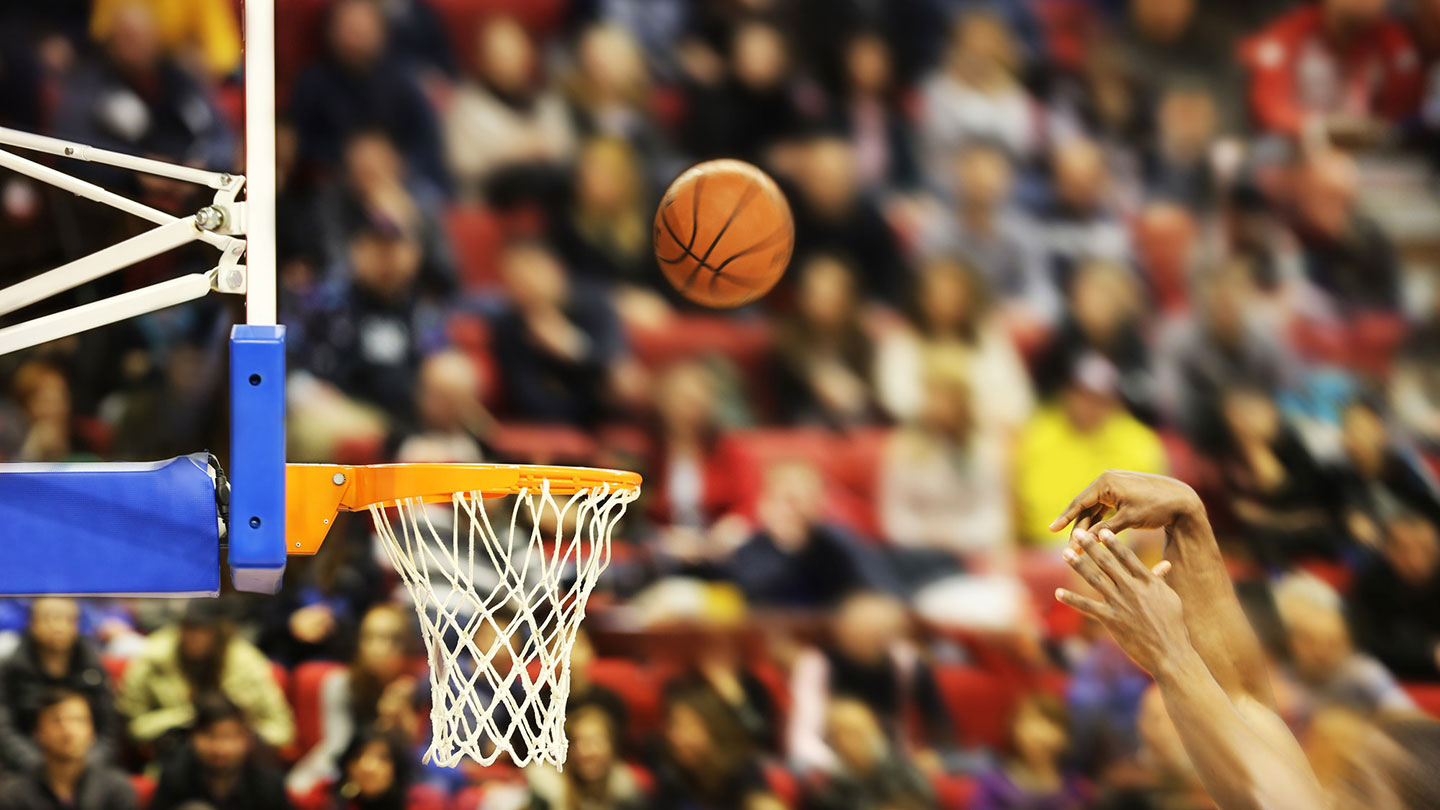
{"points": [[543, 444], [305, 697], [638, 686], [783, 784], [425, 797], [953, 791], [979, 702], [743, 343], [144, 788], [467, 798], [1427, 696], [115, 667], [298, 40], [478, 238]]}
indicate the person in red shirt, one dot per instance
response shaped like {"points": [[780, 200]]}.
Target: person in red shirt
{"points": [[1337, 68]]}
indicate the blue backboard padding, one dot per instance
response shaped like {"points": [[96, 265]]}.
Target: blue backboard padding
{"points": [[257, 457], [117, 528]]}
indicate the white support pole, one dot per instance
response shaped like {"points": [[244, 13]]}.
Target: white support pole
{"points": [[109, 310], [260, 159], [91, 154], [102, 262], [90, 191]]}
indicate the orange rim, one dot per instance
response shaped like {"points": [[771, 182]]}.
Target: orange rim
{"points": [[315, 492]]}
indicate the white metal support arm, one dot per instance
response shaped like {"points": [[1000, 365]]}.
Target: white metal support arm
{"points": [[214, 225]]}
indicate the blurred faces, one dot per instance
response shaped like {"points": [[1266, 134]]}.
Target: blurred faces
{"points": [[592, 746], [867, 624], [223, 746], [385, 264], [826, 295], [1251, 416], [380, 649], [759, 56], [1412, 549], [828, 177], [134, 44], [54, 624], [1315, 626], [357, 33], [983, 176], [1366, 440], [43, 393], [199, 643], [1102, 300], [792, 501], [867, 64], [1161, 20], [66, 731], [685, 400], [607, 177], [982, 47], [687, 737], [1225, 296], [371, 162], [946, 406], [855, 735], [534, 278], [1081, 179], [372, 772], [1038, 731], [448, 392], [1325, 191], [507, 56], [947, 298], [1188, 120], [612, 63]]}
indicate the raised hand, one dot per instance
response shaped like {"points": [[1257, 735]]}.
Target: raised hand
{"points": [[1132, 501], [1135, 605]]}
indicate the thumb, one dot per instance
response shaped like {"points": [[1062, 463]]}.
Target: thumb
{"points": [[1161, 569]]}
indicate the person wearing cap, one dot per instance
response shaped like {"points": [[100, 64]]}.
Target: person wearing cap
{"points": [[198, 656], [1080, 434]]}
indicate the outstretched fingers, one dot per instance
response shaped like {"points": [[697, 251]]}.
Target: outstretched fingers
{"points": [[1086, 567], [1090, 607], [1124, 554], [1087, 499], [1104, 558]]}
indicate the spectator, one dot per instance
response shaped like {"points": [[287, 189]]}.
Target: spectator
{"points": [[1414, 390], [1396, 599], [834, 216], [197, 656], [795, 559], [586, 693], [719, 664], [130, 98], [1070, 441], [52, 655], [953, 323], [743, 106], [377, 770], [418, 37], [374, 191], [1377, 480], [1338, 69], [594, 778], [451, 423], [989, 230], [202, 35], [1222, 346], [1169, 42], [1104, 318], [869, 111], [559, 348], [603, 232], [869, 659], [1034, 774], [705, 761], [52, 432], [318, 610], [366, 333], [870, 772], [977, 94], [1346, 254], [1078, 222], [1177, 166], [943, 480], [1278, 494], [1323, 662], [376, 690], [219, 768], [1166, 778], [697, 476], [502, 131], [358, 86], [66, 777], [609, 92], [823, 356]]}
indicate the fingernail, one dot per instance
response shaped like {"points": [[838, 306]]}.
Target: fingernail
{"points": [[1084, 536], [1056, 524], [1069, 555], [1060, 594], [1107, 535]]}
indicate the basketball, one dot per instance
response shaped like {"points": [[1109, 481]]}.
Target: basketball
{"points": [[723, 233]]}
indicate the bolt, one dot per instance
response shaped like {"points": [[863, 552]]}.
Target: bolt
{"points": [[326, 521], [237, 250], [69, 150], [235, 279], [254, 522], [339, 479], [225, 179], [297, 545]]}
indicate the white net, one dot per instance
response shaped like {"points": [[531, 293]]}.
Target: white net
{"points": [[499, 611]]}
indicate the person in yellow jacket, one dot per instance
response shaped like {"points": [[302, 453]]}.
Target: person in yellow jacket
{"points": [[200, 655], [204, 34]]}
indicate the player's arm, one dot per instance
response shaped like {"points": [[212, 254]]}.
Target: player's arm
{"points": [[1244, 755], [1217, 627]]}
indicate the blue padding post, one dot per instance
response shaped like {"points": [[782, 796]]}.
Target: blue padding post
{"points": [[120, 528], [257, 457]]}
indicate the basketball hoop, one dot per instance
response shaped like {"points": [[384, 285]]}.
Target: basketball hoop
{"points": [[499, 598]]}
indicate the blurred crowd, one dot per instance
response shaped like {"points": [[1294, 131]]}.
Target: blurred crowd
{"points": [[1035, 239]]}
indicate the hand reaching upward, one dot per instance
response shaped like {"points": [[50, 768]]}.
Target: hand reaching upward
{"points": [[1137, 607]]}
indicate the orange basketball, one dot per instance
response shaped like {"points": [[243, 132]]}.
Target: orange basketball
{"points": [[724, 233]]}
